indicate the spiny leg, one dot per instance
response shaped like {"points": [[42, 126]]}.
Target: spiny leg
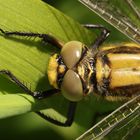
{"points": [[36, 94], [101, 38], [45, 37], [70, 116]]}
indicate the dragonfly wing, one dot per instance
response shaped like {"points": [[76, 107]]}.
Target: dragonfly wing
{"points": [[126, 128], [123, 15], [111, 125]]}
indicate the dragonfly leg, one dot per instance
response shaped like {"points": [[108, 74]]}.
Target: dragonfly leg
{"points": [[36, 94], [70, 116], [45, 37], [101, 38]]}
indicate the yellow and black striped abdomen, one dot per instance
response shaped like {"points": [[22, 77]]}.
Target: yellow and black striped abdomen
{"points": [[118, 72]]}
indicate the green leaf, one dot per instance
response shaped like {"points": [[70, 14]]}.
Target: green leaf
{"points": [[28, 58]]}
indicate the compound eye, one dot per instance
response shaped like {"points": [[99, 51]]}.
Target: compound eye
{"points": [[72, 86], [71, 53]]}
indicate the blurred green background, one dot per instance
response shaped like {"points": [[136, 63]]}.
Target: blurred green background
{"points": [[31, 126]]}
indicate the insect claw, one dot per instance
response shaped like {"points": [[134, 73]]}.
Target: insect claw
{"points": [[2, 31]]}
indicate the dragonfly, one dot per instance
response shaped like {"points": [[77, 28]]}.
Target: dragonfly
{"points": [[124, 121]]}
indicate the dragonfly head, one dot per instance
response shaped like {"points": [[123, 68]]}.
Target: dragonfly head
{"points": [[63, 70]]}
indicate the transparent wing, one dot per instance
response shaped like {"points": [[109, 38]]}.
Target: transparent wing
{"points": [[121, 122], [122, 14], [126, 128]]}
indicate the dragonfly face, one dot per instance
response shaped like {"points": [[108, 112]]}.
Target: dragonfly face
{"points": [[72, 70]]}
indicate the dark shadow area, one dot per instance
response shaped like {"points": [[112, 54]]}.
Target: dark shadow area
{"points": [[8, 86], [26, 127]]}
